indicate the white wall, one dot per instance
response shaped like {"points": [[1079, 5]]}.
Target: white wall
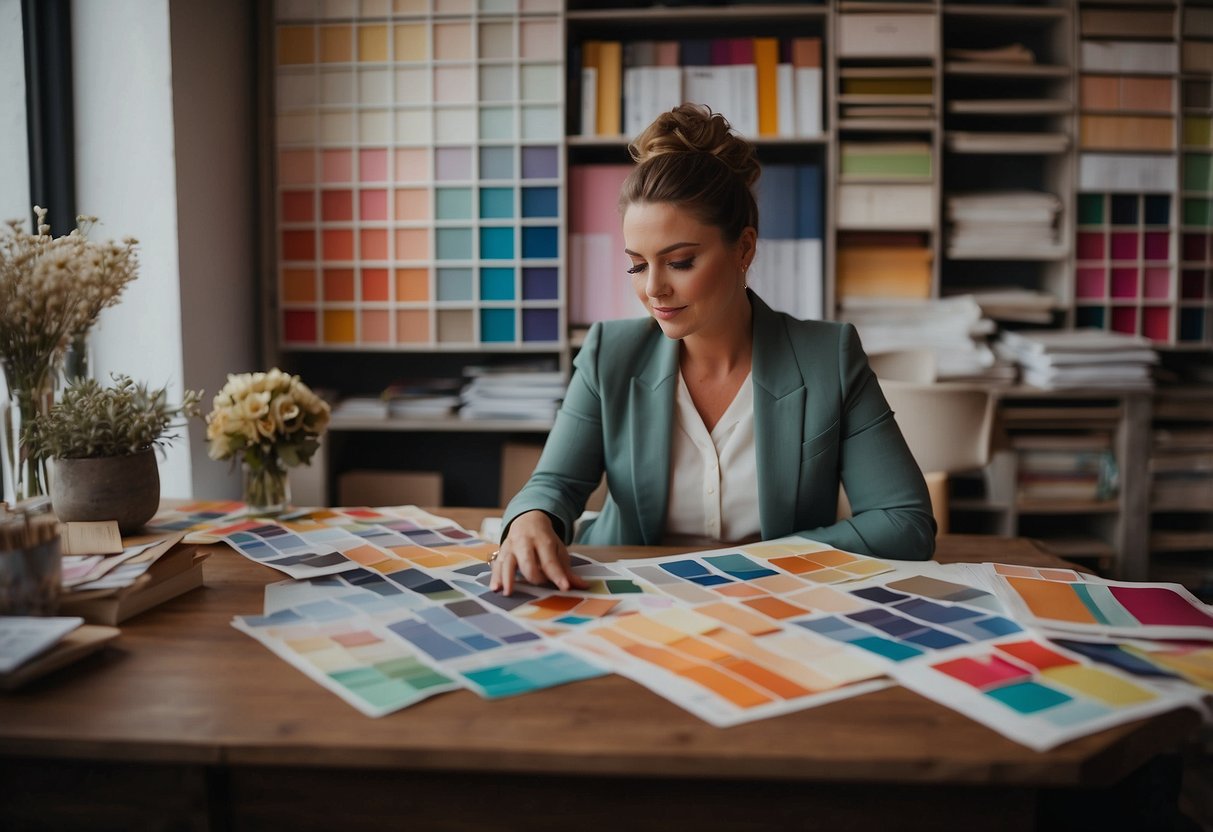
{"points": [[14, 142], [212, 60], [125, 176], [164, 134]]}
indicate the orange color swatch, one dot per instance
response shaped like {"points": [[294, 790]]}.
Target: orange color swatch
{"points": [[726, 687], [775, 608], [1037, 655], [1047, 599], [796, 564], [742, 619], [776, 684]]}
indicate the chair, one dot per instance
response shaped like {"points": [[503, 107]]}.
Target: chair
{"points": [[948, 428]]}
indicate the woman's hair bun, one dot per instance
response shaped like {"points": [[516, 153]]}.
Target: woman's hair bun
{"points": [[694, 128]]}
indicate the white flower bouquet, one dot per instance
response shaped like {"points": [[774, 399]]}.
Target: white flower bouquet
{"points": [[270, 421]]}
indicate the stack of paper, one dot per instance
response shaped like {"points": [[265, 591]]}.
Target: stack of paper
{"points": [[513, 395], [1014, 304], [1011, 224], [1058, 360], [952, 328], [111, 589]]}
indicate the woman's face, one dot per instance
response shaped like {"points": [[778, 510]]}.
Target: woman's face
{"points": [[684, 273]]}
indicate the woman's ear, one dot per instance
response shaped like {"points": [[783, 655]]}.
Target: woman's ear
{"points": [[747, 244]]}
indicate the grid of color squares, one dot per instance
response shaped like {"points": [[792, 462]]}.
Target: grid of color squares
{"points": [[195, 516], [1126, 278], [374, 673], [419, 168], [1062, 597], [1035, 693], [735, 669], [889, 622], [698, 579]]}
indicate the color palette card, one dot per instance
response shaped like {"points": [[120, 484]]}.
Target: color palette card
{"points": [[357, 660], [197, 518], [1192, 661], [763, 570], [1036, 693], [325, 541], [724, 675], [1064, 601], [610, 591]]}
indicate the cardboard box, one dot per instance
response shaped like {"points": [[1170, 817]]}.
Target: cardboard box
{"points": [[518, 461], [389, 488]]}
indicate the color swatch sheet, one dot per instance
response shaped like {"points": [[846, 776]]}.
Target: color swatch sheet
{"points": [[1065, 601], [383, 641], [1036, 693], [325, 541], [197, 517]]}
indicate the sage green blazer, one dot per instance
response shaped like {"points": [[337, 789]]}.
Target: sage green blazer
{"points": [[820, 419]]}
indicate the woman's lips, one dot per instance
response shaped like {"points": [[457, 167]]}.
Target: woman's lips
{"points": [[665, 313]]}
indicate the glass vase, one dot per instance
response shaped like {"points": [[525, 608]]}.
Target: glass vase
{"points": [[267, 490], [24, 473]]}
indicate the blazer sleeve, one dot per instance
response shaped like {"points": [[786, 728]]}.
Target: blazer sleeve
{"points": [[571, 464], [891, 507]]}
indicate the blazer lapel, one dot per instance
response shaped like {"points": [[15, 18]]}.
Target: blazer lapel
{"points": [[651, 420], [779, 408]]}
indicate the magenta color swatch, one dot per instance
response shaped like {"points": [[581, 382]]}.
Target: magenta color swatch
{"points": [[1090, 245], [1124, 283], [1159, 606], [981, 674], [1124, 245], [1156, 323], [1158, 284], [1090, 283], [372, 165], [1158, 245], [1124, 319]]}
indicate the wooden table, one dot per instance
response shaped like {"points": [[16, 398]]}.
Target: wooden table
{"points": [[189, 724]]}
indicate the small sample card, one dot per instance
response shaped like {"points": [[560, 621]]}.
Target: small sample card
{"points": [[25, 637]]}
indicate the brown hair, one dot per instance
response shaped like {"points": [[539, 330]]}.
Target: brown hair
{"points": [[689, 157]]}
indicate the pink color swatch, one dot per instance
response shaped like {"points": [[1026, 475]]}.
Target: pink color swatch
{"points": [[376, 326], [338, 166], [372, 205], [374, 243], [981, 674], [1090, 283], [1153, 605], [372, 165]]}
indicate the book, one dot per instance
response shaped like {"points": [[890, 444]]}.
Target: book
{"points": [[176, 572], [80, 642]]}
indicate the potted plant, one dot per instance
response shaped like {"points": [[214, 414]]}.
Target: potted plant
{"points": [[102, 441]]}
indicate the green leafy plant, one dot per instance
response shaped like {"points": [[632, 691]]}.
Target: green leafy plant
{"points": [[93, 421]]}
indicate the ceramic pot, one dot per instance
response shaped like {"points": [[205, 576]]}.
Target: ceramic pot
{"points": [[123, 488]]}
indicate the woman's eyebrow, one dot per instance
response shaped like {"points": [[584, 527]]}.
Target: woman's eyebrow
{"points": [[665, 250]]}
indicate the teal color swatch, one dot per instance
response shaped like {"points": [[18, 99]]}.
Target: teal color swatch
{"points": [[496, 243], [891, 650], [496, 284], [496, 325], [539, 242], [496, 203], [1028, 697], [540, 202]]}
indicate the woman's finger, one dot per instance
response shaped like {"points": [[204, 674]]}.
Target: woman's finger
{"points": [[554, 566]]}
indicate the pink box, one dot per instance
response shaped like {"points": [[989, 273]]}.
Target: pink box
{"points": [[1124, 319], [1158, 283]]}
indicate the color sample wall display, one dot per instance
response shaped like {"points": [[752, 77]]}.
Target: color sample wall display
{"points": [[418, 141]]}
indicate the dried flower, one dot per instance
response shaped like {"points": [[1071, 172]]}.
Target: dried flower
{"points": [[52, 290], [266, 416]]}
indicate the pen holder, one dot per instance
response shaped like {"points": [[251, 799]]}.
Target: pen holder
{"points": [[31, 566]]}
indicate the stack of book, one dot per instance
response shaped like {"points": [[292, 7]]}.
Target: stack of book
{"points": [[1019, 224], [1081, 358], [430, 398], [787, 269], [952, 328], [31, 646], [108, 589], [1060, 467], [529, 395], [1014, 304]]}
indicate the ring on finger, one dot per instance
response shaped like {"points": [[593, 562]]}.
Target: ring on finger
{"points": [[493, 556]]}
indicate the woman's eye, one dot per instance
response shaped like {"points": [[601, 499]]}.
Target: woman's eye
{"points": [[683, 265], [637, 269]]}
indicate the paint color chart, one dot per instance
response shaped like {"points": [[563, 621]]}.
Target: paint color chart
{"points": [[1035, 693], [1062, 600], [419, 171]]}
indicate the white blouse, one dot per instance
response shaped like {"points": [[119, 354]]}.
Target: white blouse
{"points": [[713, 476]]}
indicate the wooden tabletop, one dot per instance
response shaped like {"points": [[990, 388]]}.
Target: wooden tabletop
{"points": [[182, 685]]}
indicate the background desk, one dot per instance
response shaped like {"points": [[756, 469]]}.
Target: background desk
{"points": [[189, 724]]}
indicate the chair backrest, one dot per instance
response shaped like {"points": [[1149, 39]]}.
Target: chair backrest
{"points": [[947, 426], [916, 366]]}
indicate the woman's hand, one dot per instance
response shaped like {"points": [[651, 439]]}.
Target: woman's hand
{"points": [[533, 548]]}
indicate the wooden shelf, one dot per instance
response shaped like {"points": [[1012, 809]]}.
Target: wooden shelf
{"points": [[1046, 507], [996, 70], [652, 15]]}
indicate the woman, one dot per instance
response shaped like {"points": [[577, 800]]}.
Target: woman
{"points": [[716, 419]]}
